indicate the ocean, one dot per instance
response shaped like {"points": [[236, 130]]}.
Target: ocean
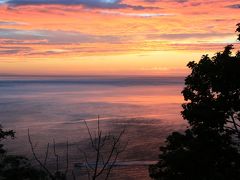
{"points": [[55, 107]]}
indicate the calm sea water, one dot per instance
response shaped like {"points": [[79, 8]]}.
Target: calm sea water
{"points": [[55, 107]]}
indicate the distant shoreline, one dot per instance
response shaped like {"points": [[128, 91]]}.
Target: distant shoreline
{"points": [[94, 80], [95, 75]]}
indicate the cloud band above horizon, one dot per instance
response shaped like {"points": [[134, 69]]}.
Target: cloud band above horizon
{"points": [[50, 31]]}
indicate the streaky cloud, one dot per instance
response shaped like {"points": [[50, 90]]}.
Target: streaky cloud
{"points": [[141, 15], [234, 6], [11, 23], [188, 35], [101, 4], [11, 50], [53, 36], [155, 1]]}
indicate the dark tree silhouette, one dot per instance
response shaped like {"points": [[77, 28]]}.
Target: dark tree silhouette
{"points": [[16, 167], [208, 149], [238, 30], [213, 92]]}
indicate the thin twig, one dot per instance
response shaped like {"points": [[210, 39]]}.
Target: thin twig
{"points": [[56, 155], [67, 159], [111, 166], [73, 175], [98, 143], [114, 146], [89, 133], [46, 155], [36, 158], [98, 152], [234, 123], [86, 159]]}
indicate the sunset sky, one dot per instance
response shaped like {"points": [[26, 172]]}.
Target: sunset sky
{"points": [[74, 37]]}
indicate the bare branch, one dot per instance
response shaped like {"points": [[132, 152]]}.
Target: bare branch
{"points": [[235, 125], [36, 158], [67, 159], [107, 159], [111, 166], [102, 159], [98, 120], [86, 159], [56, 155], [46, 155], [73, 175], [113, 148], [98, 153], [90, 135]]}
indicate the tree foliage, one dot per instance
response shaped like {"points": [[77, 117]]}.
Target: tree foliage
{"points": [[209, 156], [16, 167], [206, 150], [3, 135], [238, 30], [212, 91]]}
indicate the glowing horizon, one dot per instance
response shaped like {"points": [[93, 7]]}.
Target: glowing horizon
{"points": [[60, 37]]}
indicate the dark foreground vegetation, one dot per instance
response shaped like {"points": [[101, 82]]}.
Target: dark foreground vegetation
{"points": [[16, 167], [209, 148], [104, 148]]}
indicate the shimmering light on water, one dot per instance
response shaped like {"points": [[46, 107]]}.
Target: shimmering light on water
{"points": [[51, 107]]}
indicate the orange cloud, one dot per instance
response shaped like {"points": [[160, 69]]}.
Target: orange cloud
{"points": [[57, 31]]}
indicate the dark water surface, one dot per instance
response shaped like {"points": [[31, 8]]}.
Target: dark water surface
{"points": [[55, 107]]}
